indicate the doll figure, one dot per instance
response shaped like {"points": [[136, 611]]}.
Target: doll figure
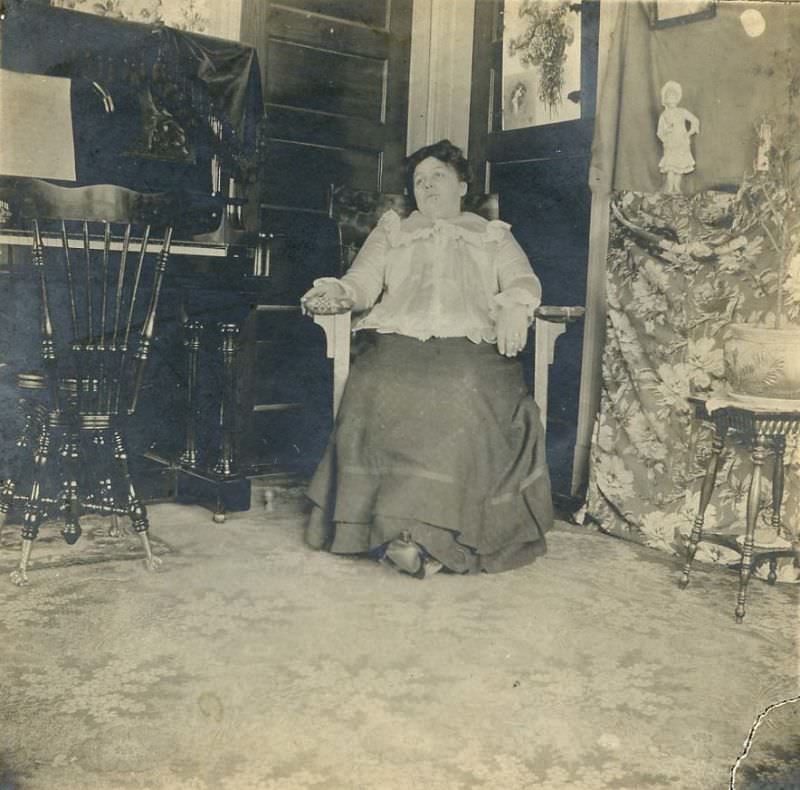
{"points": [[676, 125]]}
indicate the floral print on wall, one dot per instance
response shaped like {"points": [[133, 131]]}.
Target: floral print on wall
{"points": [[192, 15]]}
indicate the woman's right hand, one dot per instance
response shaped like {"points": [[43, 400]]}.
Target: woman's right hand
{"points": [[326, 298]]}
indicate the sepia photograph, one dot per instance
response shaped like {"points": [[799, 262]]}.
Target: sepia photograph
{"points": [[399, 394]]}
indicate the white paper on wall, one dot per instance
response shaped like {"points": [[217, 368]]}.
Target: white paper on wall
{"points": [[36, 139]]}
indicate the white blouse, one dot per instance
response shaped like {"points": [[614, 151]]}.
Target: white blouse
{"points": [[429, 278]]}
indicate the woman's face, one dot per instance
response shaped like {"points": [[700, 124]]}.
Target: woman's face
{"points": [[437, 190]]}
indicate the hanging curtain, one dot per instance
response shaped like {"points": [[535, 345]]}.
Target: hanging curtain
{"points": [[729, 79], [666, 311], [676, 269]]}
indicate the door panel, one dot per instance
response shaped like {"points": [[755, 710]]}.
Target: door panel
{"points": [[549, 214], [541, 176], [374, 13], [335, 79], [335, 76], [288, 188], [319, 80]]}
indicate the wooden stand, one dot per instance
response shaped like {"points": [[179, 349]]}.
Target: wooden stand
{"points": [[220, 487], [765, 430]]}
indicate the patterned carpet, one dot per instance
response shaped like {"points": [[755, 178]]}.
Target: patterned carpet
{"points": [[94, 545], [251, 661], [771, 759]]}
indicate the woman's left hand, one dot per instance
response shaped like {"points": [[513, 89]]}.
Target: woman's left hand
{"points": [[512, 329]]}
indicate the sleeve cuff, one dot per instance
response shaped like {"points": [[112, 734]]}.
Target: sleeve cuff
{"points": [[515, 296]]}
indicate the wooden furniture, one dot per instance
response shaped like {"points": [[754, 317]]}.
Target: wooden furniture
{"points": [[252, 385], [765, 428], [356, 212], [174, 119], [159, 470], [98, 296], [549, 324], [243, 387], [211, 477]]}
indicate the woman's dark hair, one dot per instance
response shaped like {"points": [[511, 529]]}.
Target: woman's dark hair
{"points": [[445, 152]]}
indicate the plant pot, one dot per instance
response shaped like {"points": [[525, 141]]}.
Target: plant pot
{"points": [[763, 362]]}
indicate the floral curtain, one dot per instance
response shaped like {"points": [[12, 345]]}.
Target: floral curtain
{"points": [[679, 270]]}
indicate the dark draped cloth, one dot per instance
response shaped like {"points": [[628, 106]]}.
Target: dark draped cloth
{"points": [[440, 438], [153, 75], [729, 80]]}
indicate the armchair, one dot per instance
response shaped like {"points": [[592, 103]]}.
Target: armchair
{"points": [[356, 213]]}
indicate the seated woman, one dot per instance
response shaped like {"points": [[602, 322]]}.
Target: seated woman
{"points": [[437, 456]]}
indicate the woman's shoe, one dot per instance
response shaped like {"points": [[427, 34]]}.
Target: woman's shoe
{"points": [[406, 556]]}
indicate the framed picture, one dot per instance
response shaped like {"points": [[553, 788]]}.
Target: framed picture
{"points": [[541, 84], [668, 13]]}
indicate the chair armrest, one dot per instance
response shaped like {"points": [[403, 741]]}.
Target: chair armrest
{"points": [[336, 326], [561, 315], [550, 323]]}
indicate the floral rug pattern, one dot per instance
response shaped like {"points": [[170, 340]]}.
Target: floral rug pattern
{"points": [[678, 273], [251, 661], [94, 545]]}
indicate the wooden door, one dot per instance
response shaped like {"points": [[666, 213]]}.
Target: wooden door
{"points": [[335, 81], [541, 176]]}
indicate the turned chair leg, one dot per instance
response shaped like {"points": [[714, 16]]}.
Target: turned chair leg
{"points": [[24, 440], [6, 500], [136, 508], [709, 480], [114, 529], [34, 509], [70, 503]]}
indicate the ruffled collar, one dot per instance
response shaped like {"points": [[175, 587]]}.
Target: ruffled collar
{"points": [[469, 227]]}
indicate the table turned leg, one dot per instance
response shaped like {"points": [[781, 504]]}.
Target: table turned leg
{"points": [[706, 490], [777, 482], [746, 569], [194, 331], [779, 443], [226, 465]]}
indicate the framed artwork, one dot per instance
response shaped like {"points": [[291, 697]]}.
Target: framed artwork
{"points": [[541, 63], [668, 13]]}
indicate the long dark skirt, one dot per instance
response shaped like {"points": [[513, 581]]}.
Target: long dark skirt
{"points": [[440, 438]]}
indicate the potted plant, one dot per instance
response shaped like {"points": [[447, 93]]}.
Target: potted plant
{"points": [[762, 360]]}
